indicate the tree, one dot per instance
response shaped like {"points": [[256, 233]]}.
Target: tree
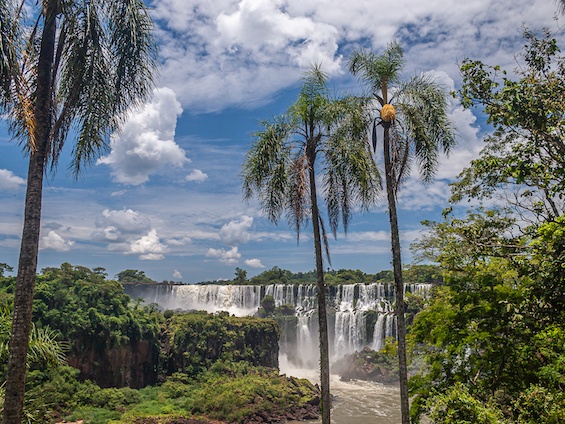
{"points": [[80, 65], [133, 276], [415, 125], [240, 276], [5, 268], [495, 329], [281, 169], [525, 155]]}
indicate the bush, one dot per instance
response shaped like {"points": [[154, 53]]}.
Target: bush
{"points": [[538, 405], [458, 406]]}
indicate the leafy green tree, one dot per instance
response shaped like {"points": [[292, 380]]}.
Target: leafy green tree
{"points": [[321, 136], [418, 274], [5, 268], [133, 276], [92, 313], [458, 406], [79, 65], [415, 126], [525, 155], [240, 276], [496, 325]]}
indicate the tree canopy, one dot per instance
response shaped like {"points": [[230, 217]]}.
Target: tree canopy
{"points": [[493, 333]]}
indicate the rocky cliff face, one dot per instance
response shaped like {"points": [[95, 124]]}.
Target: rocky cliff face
{"points": [[133, 365]]}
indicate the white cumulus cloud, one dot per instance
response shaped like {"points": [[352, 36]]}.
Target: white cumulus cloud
{"points": [[197, 175], [54, 241], [254, 263], [228, 257], [146, 142], [149, 247], [118, 225], [10, 181], [177, 274], [235, 232]]}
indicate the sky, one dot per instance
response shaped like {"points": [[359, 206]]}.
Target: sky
{"points": [[166, 197]]}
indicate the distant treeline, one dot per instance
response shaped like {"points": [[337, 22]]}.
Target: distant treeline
{"points": [[414, 274]]}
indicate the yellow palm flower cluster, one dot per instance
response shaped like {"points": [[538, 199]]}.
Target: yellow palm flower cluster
{"points": [[388, 113]]}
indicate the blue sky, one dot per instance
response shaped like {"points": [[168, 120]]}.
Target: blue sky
{"points": [[166, 197]]}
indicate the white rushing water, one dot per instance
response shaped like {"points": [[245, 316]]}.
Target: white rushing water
{"points": [[349, 307], [354, 402]]}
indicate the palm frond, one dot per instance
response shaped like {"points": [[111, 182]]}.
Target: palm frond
{"points": [[44, 346], [9, 37], [351, 178], [378, 71], [298, 192], [401, 153], [105, 59], [134, 52], [423, 106], [325, 238], [266, 168]]}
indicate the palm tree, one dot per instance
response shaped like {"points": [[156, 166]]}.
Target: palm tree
{"points": [[44, 349], [80, 65], [281, 169], [415, 125]]}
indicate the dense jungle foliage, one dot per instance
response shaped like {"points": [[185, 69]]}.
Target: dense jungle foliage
{"points": [[208, 366], [494, 331]]}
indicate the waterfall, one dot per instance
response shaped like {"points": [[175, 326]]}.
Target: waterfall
{"points": [[379, 333], [349, 307]]}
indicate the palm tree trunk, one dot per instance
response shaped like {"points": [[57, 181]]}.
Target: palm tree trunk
{"points": [[322, 316], [397, 271], [27, 265]]}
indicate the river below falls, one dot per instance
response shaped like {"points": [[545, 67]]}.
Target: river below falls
{"points": [[354, 402]]}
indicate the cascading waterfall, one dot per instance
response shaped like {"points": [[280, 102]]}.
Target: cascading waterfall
{"points": [[379, 333], [352, 308]]}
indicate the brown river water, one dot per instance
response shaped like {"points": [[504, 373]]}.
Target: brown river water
{"points": [[354, 402]]}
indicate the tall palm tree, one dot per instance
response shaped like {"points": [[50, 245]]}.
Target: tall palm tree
{"points": [[281, 168], [80, 65], [413, 115]]}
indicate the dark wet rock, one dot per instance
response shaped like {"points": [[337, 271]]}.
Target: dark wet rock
{"points": [[367, 365]]}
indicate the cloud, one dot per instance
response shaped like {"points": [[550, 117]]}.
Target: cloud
{"points": [[54, 241], [235, 232], [197, 175], [146, 143], [120, 225], [262, 28], [359, 236], [148, 247], [254, 263], [241, 52], [177, 274], [9, 181], [130, 232], [179, 241], [228, 257]]}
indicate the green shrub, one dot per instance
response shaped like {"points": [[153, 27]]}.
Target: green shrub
{"points": [[458, 406], [538, 405]]}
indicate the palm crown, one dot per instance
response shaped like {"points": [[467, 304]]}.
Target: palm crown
{"points": [[315, 130], [104, 57], [420, 129]]}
